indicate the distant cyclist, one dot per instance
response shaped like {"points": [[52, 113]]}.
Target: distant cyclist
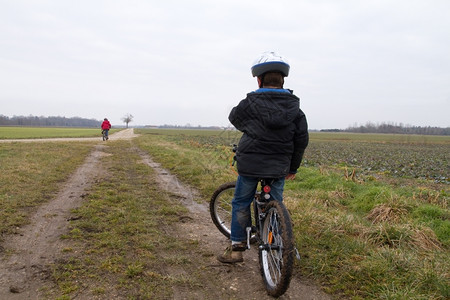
{"points": [[272, 146], [106, 126]]}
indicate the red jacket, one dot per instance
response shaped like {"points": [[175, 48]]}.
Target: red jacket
{"points": [[106, 125]]}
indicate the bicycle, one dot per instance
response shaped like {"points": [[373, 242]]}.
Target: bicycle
{"points": [[271, 229], [105, 135]]}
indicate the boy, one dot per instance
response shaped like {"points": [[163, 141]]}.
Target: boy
{"points": [[275, 135]]}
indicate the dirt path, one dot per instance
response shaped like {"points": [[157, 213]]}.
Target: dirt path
{"points": [[24, 265], [38, 244], [120, 135]]}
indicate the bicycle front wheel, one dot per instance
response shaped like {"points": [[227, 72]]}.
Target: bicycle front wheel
{"points": [[276, 253], [220, 207]]}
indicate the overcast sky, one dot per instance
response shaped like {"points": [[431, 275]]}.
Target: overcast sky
{"points": [[180, 62]]}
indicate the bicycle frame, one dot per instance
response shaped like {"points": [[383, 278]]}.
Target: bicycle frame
{"points": [[262, 198]]}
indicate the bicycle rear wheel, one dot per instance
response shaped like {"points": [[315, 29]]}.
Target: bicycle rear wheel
{"points": [[276, 253]]}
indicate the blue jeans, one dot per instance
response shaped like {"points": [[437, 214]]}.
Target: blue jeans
{"points": [[106, 131], [243, 197]]}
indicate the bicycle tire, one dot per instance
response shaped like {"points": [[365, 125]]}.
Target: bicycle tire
{"points": [[277, 250], [220, 207]]}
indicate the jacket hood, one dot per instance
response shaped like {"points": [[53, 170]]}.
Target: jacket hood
{"points": [[276, 109]]}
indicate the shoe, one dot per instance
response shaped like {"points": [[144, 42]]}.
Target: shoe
{"points": [[230, 256], [242, 246]]}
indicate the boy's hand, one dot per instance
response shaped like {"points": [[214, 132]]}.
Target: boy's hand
{"points": [[290, 177]]}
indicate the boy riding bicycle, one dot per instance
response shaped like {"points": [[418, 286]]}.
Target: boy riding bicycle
{"points": [[106, 126], [275, 135]]}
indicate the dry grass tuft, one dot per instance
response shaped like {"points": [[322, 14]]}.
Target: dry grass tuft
{"points": [[323, 171], [386, 235], [338, 193], [432, 197], [386, 213], [425, 239], [407, 236]]}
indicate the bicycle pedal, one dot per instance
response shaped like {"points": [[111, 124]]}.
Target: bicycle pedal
{"points": [[249, 232]]}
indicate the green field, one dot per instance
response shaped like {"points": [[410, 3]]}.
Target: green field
{"points": [[381, 138], [48, 132], [370, 155], [233, 135], [370, 215]]}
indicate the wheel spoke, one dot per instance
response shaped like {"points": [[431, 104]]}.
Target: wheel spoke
{"points": [[275, 251]]}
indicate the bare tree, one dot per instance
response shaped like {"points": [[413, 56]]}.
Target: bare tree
{"points": [[127, 119]]}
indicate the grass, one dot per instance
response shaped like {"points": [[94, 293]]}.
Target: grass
{"points": [[362, 238], [31, 174], [48, 132]]}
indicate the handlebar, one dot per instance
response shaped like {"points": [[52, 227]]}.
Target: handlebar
{"points": [[234, 148]]}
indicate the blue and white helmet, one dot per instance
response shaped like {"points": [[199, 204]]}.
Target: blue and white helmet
{"points": [[270, 62]]}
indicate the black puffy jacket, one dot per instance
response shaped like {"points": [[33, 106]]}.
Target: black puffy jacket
{"points": [[275, 134]]}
